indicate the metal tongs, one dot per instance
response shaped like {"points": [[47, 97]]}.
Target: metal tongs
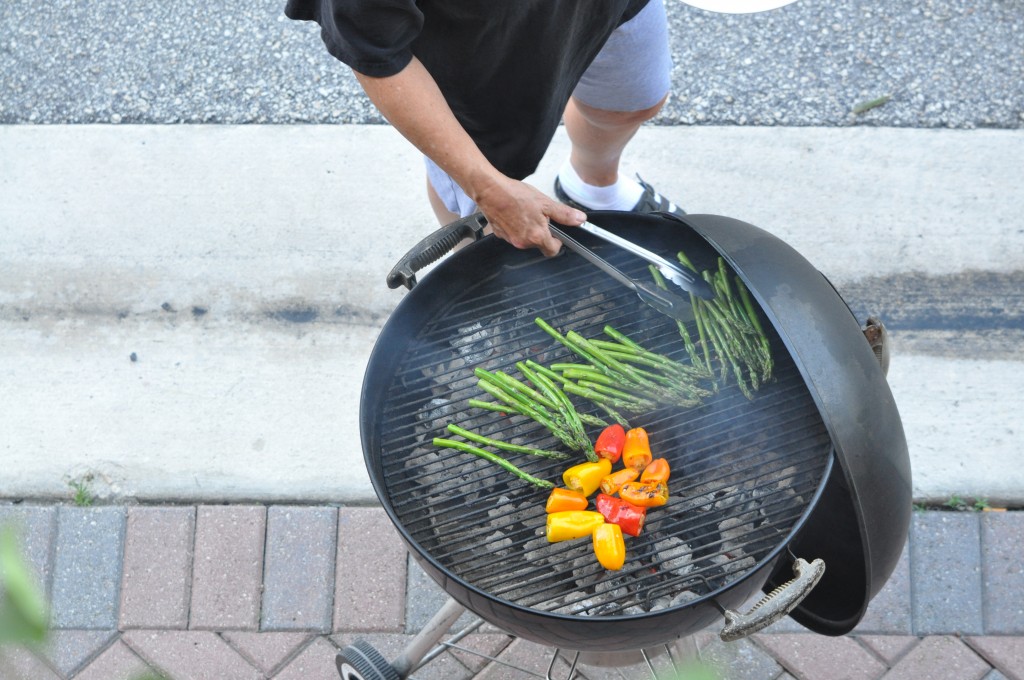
{"points": [[665, 301]]}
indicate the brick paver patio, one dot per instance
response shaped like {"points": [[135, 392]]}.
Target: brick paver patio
{"points": [[221, 592]]}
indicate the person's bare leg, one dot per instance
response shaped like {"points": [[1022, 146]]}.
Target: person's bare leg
{"points": [[599, 137], [441, 211]]}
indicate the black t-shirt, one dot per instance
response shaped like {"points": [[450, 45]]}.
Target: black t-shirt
{"points": [[505, 67]]}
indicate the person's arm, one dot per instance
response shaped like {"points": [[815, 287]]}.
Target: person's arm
{"points": [[518, 212]]}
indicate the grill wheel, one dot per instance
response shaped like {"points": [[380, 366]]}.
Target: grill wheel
{"points": [[360, 661]]}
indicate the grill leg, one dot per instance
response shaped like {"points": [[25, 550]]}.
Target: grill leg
{"points": [[447, 615]]}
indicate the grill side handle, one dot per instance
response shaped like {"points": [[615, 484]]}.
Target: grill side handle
{"points": [[434, 247], [776, 604]]}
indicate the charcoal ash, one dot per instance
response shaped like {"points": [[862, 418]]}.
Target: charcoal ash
{"points": [[473, 343]]}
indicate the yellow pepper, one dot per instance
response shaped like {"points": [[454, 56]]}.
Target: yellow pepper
{"points": [[609, 547], [586, 477], [569, 524], [636, 453]]}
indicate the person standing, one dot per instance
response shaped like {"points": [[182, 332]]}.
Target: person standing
{"points": [[480, 86]]}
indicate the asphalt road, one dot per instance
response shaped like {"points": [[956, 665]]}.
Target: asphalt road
{"points": [[941, 63]]}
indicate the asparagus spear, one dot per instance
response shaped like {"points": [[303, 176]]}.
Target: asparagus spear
{"points": [[507, 446], [494, 458]]}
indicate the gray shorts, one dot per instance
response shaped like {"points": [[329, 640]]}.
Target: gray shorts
{"points": [[632, 72]]}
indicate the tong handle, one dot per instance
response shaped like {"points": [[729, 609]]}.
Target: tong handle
{"points": [[625, 244], [662, 300], [592, 257]]}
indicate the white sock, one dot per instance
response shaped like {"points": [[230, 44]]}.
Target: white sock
{"points": [[622, 195]]}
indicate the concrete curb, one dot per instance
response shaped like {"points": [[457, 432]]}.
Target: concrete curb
{"points": [[187, 310]]}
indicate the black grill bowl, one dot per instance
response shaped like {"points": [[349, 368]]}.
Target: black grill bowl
{"points": [[479, 532]]}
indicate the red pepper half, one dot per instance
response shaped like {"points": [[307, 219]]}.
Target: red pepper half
{"points": [[629, 517], [610, 442]]}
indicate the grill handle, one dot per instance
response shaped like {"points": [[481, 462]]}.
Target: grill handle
{"points": [[776, 604], [433, 247]]}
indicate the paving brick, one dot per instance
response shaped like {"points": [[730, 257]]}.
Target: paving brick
{"points": [[524, 659], [315, 662], [683, 663], [424, 598], [1002, 564], [87, 567], [890, 648], [1005, 653], [36, 527], [266, 651], [69, 650], [740, 660], [475, 647], [809, 656], [450, 665], [298, 568], [17, 663], [995, 675], [192, 654], [890, 611], [371, 573], [945, 573], [117, 662], [157, 580], [227, 567], [939, 656]]}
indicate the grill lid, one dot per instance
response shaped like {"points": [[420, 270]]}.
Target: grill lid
{"points": [[863, 520]]}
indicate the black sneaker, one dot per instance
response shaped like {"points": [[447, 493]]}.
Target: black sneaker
{"points": [[650, 201]]}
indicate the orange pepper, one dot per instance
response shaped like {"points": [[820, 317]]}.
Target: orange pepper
{"points": [[609, 546], [586, 477], [644, 494], [656, 471], [565, 499], [610, 483], [636, 453]]}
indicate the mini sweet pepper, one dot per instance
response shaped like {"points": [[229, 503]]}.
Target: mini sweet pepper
{"points": [[636, 452], [644, 494], [565, 499], [586, 477], [656, 471], [630, 518], [610, 442], [569, 524], [610, 483], [609, 547]]}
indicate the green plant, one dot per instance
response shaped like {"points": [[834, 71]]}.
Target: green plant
{"points": [[955, 502], [82, 495], [961, 504], [23, 616]]}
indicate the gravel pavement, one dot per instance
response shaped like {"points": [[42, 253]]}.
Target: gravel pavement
{"points": [[941, 63]]}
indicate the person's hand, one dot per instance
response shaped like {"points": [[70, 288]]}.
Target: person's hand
{"points": [[519, 213]]}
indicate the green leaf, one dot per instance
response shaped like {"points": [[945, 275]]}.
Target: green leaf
{"points": [[23, 615]]}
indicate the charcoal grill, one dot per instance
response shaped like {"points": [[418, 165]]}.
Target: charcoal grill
{"points": [[758, 484]]}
